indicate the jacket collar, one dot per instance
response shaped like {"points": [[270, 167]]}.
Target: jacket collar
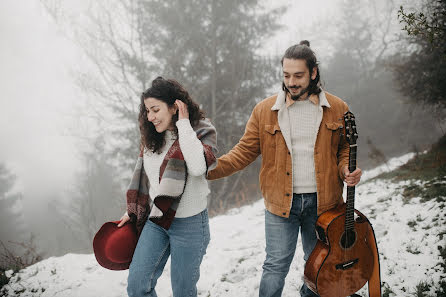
{"points": [[281, 103]]}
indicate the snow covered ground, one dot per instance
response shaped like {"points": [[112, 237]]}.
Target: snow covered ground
{"points": [[407, 236]]}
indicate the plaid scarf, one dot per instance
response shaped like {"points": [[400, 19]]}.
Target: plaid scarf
{"points": [[173, 177]]}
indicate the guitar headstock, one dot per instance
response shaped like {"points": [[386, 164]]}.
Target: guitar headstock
{"points": [[350, 128]]}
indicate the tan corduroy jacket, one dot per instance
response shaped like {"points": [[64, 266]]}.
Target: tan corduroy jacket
{"points": [[263, 135]]}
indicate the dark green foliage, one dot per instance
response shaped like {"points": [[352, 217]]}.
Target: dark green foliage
{"points": [[435, 189], [429, 167], [421, 73], [441, 291], [386, 290], [411, 224], [16, 257], [19, 255], [3, 279], [429, 25], [421, 289], [443, 256]]}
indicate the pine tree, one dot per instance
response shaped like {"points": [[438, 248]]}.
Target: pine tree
{"points": [[211, 47], [11, 222], [96, 198]]}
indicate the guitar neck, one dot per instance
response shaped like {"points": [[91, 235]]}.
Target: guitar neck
{"points": [[350, 203]]}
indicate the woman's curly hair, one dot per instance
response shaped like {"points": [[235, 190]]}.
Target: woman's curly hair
{"points": [[166, 90]]}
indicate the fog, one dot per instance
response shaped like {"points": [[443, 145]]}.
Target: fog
{"points": [[37, 118], [38, 96], [41, 107]]}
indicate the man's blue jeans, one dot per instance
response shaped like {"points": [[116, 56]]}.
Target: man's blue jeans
{"points": [[281, 239], [185, 241]]}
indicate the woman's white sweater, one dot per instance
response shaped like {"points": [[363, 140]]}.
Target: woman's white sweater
{"points": [[194, 199]]}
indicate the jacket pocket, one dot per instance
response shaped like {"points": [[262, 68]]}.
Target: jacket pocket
{"points": [[335, 129], [272, 132], [272, 129], [334, 126], [271, 141]]}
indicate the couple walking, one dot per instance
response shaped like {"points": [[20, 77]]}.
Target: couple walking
{"points": [[304, 165]]}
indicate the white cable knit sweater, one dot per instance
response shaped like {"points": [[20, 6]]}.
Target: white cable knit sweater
{"points": [[194, 199], [305, 119]]}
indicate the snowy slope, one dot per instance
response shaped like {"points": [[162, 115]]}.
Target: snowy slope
{"points": [[233, 264]]}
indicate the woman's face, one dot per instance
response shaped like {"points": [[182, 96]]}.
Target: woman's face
{"points": [[160, 114]]}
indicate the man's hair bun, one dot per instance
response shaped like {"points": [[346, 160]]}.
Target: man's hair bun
{"points": [[305, 42]]}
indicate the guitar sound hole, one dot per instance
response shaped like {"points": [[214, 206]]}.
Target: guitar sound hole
{"points": [[348, 239]]}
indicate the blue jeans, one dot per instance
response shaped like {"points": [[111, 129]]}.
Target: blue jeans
{"points": [[185, 241], [281, 239]]}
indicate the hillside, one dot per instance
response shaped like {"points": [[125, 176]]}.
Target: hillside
{"points": [[410, 230]]}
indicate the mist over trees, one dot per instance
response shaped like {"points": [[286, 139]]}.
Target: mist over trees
{"points": [[368, 44], [93, 199], [17, 245], [214, 49], [209, 47]]}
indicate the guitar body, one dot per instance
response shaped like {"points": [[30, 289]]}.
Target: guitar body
{"points": [[341, 262], [343, 259]]}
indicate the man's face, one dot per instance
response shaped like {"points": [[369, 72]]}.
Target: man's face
{"points": [[296, 77]]}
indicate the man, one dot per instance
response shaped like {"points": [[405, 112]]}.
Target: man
{"points": [[304, 162]]}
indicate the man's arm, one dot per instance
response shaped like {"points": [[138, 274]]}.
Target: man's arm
{"points": [[243, 153]]}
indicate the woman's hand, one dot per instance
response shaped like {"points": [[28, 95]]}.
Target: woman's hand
{"points": [[124, 219], [183, 113]]}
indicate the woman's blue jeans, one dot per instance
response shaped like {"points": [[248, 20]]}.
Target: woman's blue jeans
{"points": [[281, 239], [185, 241]]}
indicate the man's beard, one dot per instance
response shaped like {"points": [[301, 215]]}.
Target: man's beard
{"points": [[299, 95]]}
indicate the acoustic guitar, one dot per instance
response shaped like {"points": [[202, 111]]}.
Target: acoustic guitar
{"points": [[342, 260]]}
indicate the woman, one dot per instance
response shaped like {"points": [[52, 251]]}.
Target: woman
{"points": [[167, 197]]}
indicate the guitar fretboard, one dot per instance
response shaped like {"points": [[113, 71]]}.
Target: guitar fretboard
{"points": [[350, 203]]}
